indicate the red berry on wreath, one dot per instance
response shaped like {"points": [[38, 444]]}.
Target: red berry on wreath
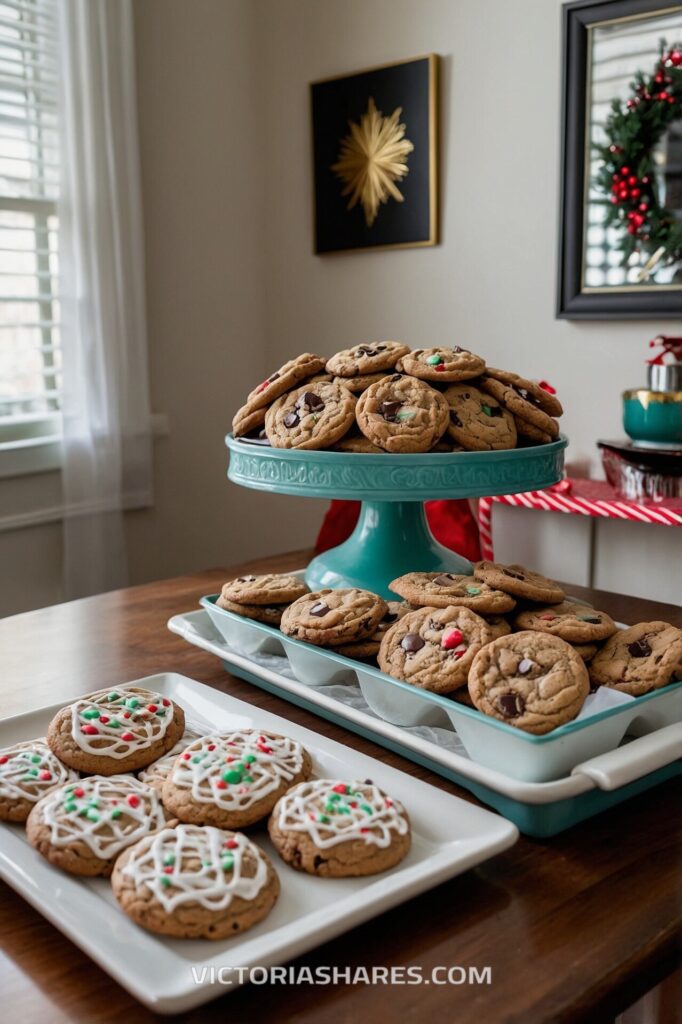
{"points": [[663, 95], [625, 171], [635, 193], [676, 58]]}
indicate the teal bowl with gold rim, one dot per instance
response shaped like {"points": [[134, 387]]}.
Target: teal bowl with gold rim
{"points": [[653, 418]]}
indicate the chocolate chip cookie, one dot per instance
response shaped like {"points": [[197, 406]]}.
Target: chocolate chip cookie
{"points": [[529, 432], [336, 829], [313, 416], [356, 385], [402, 414], [271, 615], [360, 360], [270, 588], [639, 659], [541, 394], [499, 626], [288, 376], [477, 420], [246, 420], [331, 618], [369, 648], [573, 622], [433, 648], [441, 364], [442, 589], [359, 444], [520, 402], [531, 681], [195, 883], [519, 581]]}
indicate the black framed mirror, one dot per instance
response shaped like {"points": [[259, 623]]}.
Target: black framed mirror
{"points": [[620, 235]]}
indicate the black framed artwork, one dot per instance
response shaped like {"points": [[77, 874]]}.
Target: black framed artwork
{"points": [[620, 236], [375, 157]]}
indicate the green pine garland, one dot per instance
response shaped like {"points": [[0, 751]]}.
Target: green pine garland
{"points": [[627, 172]]}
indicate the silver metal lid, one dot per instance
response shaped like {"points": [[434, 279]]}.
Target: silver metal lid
{"points": [[664, 377]]}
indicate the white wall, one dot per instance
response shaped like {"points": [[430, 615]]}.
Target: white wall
{"points": [[233, 288]]}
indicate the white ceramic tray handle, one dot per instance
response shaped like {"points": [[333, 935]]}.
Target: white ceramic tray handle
{"points": [[633, 760]]}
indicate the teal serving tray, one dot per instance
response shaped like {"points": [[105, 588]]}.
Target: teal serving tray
{"points": [[392, 536]]}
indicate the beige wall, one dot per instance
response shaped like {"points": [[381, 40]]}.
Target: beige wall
{"points": [[233, 288]]}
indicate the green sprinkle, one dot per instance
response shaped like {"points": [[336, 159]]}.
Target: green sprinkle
{"points": [[90, 713], [342, 809], [115, 724], [434, 360], [195, 760], [227, 863], [116, 813], [70, 805], [132, 702], [233, 776], [161, 712], [250, 758], [473, 591], [112, 696], [330, 808], [33, 772], [207, 863], [169, 858], [70, 789], [94, 802], [487, 410], [91, 814], [165, 881], [335, 797], [367, 809], [247, 778], [36, 759], [323, 818]]}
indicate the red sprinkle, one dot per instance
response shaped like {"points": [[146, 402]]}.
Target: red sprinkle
{"points": [[452, 639], [339, 788], [228, 760], [3, 759], [459, 654], [220, 784], [166, 702], [364, 830], [133, 800], [211, 746], [440, 368], [231, 844], [547, 387], [264, 749], [168, 870], [127, 736], [152, 707], [90, 730], [352, 803], [79, 791], [104, 719], [45, 775], [126, 714], [389, 802], [185, 757]]}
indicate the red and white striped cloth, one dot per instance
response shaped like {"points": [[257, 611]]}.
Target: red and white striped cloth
{"points": [[581, 498]]}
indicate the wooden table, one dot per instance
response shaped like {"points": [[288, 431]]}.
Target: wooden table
{"points": [[575, 928]]}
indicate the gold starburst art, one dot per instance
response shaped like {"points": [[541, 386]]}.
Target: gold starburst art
{"points": [[372, 158]]}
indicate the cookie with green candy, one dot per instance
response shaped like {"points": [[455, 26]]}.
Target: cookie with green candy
{"points": [[233, 779], [441, 364], [117, 730], [336, 829], [441, 589], [28, 771], [195, 882], [83, 827]]}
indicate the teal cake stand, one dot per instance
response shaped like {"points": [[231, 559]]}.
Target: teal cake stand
{"points": [[392, 535]]}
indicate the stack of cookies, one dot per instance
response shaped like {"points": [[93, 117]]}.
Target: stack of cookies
{"points": [[263, 598], [384, 397], [169, 837]]}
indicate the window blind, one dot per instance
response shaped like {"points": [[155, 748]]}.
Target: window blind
{"points": [[30, 356]]}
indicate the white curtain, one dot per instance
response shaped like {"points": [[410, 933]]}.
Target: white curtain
{"points": [[107, 436]]}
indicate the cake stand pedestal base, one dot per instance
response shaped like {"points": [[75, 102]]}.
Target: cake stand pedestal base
{"points": [[390, 539]]}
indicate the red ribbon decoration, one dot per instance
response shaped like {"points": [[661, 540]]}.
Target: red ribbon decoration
{"points": [[669, 346]]}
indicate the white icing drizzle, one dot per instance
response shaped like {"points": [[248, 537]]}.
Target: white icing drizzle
{"points": [[194, 864], [101, 720], [235, 770], [106, 813], [158, 771], [30, 770], [330, 816]]}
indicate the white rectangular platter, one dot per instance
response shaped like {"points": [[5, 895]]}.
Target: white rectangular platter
{"points": [[449, 836]]}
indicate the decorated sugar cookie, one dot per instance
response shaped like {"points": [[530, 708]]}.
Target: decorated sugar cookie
{"points": [[333, 828], [27, 772], [83, 827], [233, 779], [116, 730], [195, 882], [157, 772]]}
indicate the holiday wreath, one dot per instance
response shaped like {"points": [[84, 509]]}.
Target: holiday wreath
{"points": [[627, 172]]}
